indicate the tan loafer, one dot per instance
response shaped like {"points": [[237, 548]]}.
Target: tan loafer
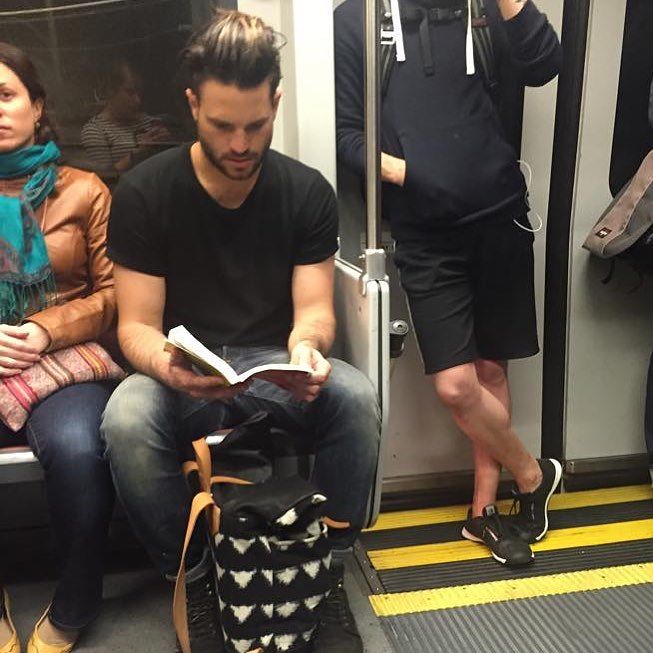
{"points": [[13, 645], [37, 645]]}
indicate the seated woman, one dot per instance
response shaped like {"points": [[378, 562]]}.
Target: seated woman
{"points": [[56, 290], [122, 134]]}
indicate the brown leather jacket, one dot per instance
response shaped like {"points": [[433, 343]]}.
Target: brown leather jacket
{"points": [[73, 220]]}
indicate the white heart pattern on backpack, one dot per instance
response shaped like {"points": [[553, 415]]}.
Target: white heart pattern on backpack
{"points": [[242, 578], [284, 642], [242, 612], [312, 568], [242, 546], [288, 518], [313, 601], [242, 645], [286, 576], [286, 609]]}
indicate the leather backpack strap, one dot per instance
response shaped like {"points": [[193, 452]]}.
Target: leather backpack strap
{"points": [[201, 502], [203, 459]]}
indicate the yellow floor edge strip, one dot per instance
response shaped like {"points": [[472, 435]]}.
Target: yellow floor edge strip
{"points": [[411, 518], [388, 605], [565, 538]]}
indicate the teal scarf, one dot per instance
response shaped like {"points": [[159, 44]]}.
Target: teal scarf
{"points": [[26, 279]]}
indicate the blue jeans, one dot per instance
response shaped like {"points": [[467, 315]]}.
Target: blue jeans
{"points": [[146, 425], [63, 431]]}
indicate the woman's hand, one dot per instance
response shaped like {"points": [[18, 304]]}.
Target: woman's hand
{"points": [[20, 347], [37, 336]]}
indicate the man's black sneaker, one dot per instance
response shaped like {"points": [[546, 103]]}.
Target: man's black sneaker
{"points": [[337, 631], [203, 620], [531, 519], [499, 536]]}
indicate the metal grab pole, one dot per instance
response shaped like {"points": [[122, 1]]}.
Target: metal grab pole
{"points": [[372, 122], [374, 255]]}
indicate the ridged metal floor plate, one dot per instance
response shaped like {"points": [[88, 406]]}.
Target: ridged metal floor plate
{"points": [[616, 620], [448, 531], [487, 569]]}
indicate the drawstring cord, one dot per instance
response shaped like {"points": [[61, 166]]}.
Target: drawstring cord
{"points": [[398, 30], [469, 46]]}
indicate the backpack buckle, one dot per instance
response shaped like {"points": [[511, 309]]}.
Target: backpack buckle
{"points": [[388, 37]]}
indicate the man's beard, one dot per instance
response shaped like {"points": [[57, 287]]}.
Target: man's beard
{"points": [[215, 160]]}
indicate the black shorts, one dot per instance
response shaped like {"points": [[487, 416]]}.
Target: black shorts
{"points": [[471, 293]]}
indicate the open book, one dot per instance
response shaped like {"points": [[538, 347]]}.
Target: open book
{"points": [[208, 362]]}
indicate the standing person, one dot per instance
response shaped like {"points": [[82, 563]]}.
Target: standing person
{"points": [[236, 242], [457, 204], [56, 290]]}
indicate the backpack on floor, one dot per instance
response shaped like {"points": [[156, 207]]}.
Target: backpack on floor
{"points": [[625, 229], [270, 549]]}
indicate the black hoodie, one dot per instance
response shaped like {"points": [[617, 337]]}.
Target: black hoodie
{"points": [[459, 165]]}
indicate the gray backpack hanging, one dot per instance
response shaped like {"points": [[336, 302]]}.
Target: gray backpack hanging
{"points": [[626, 227]]}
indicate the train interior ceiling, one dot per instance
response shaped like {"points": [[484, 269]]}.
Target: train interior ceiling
{"points": [[414, 584]]}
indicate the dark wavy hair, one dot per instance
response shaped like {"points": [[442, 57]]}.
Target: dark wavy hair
{"points": [[235, 48], [23, 67]]}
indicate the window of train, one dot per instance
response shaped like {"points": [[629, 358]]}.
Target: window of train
{"points": [[633, 130], [109, 68]]}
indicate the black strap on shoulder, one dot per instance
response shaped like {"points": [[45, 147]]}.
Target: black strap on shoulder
{"points": [[388, 48], [483, 46]]}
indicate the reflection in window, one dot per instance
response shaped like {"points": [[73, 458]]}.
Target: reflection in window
{"points": [[633, 132], [109, 68]]}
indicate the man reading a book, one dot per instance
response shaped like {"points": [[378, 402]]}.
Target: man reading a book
{"points": [[235, 242]]}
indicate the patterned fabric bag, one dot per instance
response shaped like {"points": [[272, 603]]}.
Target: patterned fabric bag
{"points": [[82, 363], [271, 553]]}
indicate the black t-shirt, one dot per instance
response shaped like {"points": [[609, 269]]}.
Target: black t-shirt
{"points": [[228, 272]]}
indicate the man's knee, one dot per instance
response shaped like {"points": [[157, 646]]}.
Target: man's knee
{"points": [[458, 388], [137, 406], [491, 373], [351, 392]]}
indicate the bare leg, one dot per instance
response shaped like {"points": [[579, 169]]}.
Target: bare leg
{"points": [[493, 377], [486, 421]]}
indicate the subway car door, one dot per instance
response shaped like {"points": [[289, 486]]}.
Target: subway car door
{"points": [[601, 333]]}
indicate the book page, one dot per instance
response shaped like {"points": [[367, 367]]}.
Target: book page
{"points": [[269, 371], [200, 355]]}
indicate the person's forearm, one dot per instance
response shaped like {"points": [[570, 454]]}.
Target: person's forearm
{"points": [[510, 8], [143, 345], [318, 332]]}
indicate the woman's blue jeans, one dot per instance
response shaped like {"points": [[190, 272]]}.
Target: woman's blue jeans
{"points": [[64, 433]]}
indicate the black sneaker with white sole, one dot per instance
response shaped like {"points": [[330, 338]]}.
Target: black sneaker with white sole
{"points": [[505, 544], [531, 519]]}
